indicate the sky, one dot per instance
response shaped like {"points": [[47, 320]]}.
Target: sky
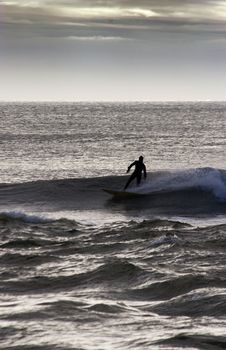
{"points": [[112, 50]]}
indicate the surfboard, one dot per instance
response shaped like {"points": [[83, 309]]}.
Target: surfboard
{"points": [[121, 194]]}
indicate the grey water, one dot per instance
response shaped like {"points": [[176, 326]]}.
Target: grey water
{"points": [[82, 270], [53, 141]]}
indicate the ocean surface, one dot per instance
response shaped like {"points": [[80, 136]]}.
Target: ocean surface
{"points": [[83, 270]]}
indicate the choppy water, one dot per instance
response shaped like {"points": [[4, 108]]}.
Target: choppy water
{"points": [[82, 270]]}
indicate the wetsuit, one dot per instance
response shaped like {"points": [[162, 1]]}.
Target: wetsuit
{"points": [[139, 167]]}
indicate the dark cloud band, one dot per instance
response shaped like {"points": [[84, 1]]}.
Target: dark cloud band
{"points": [[91, 18]]}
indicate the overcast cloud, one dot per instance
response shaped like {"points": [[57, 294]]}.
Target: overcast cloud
{"points": [[113, 50]]}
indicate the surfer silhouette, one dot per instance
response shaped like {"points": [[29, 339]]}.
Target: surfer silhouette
{"points": [[137, 174]]}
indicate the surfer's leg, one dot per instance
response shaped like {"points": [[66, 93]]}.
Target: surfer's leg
{"points": [[138, 179], [132, 177]]}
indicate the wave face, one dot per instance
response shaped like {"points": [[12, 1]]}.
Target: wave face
{"points": [[193, 193]]}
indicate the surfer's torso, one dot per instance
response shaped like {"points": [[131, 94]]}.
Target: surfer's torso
{"points": [[139, 167]]}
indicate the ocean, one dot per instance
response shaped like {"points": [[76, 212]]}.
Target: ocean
{"points": [[83, 270]]}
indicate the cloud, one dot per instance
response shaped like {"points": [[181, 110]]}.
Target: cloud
{"points": [[189, 8], [120, 8], [112, 19], [96, 38]]}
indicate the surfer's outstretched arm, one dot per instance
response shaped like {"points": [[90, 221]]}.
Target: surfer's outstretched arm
{"points": [[130, 166]]}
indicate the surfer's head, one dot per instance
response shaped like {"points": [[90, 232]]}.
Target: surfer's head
{"points": [[141, 159]]}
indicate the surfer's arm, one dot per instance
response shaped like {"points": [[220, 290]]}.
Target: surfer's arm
{"points": [[130, 166], [144, 170]]}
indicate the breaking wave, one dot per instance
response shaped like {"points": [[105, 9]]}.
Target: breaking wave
{"points": [[192, 192]]}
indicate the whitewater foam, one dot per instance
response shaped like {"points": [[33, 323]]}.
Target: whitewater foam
{"points": [[206, 179]]}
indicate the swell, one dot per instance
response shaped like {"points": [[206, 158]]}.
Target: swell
{"points": [[138, 282], [174, 287], [197, 341], [115, 274], [71, 226], [21, 260], [194, 304]]}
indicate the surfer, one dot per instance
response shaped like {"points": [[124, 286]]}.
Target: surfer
{"points": [[139, 167]]}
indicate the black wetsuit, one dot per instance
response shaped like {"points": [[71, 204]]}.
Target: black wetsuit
{"points": [[139, 167]]}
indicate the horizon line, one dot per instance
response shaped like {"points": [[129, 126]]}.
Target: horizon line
{"points": [[108, 101]]}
